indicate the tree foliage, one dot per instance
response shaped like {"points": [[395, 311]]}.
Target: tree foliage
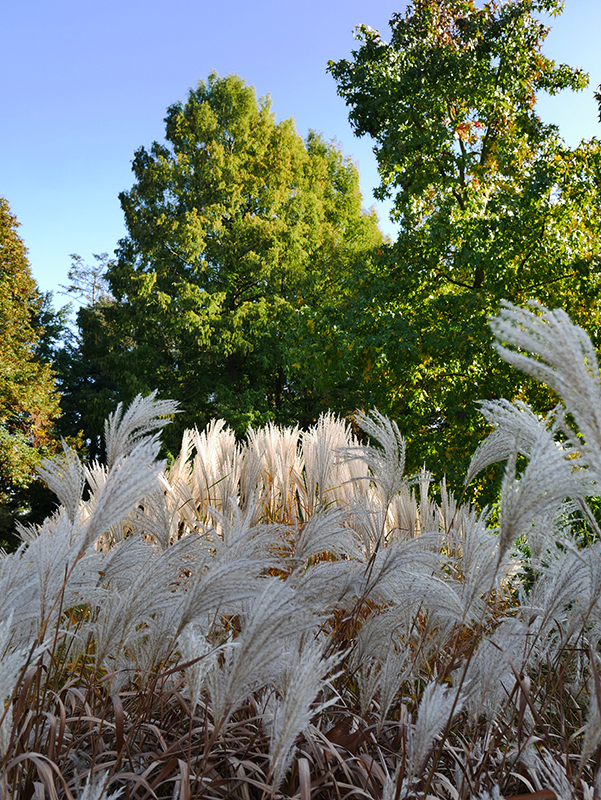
{"points": [[234, 224], [28, 399], [491, 204]]}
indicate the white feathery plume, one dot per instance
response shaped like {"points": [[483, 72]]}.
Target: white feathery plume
{"points": [[490, 676], [32, 578], [583, 610], [282, 468], [546, 773], [403, 515], [368, 683], [6, 727], [301, 682], [549, 479], [449, 510], [394, 671], [251, 481], [153, 648], [326, 533], [195, 646], [424, 588], [94, 788], [355, 485], [516, 428], [124, 431], [52, 556], [563, 357], [12, 660], [368, 518], [138, 597], [131, 478], [125, 561], [26, 533], [381, 659], [323, 472], [558, 599], [96, 475], [429, 513], [158, 517], [241, 537], [480, 576], [494, 794], [437, 706], [222, 587], [592, 735], [379, 634], [270, 623], [181, 468], [389, 790], [65, 477], [546, 531], [327, 585], [399, 564], [120, 615], [216, 467], [473, 558], [386, 462]]}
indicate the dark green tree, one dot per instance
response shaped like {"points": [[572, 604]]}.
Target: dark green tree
{"points": [[234, 224], [490, 203], [29, 402]]}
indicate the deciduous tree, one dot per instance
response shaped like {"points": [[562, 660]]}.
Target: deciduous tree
{"points": [[491, 204]]}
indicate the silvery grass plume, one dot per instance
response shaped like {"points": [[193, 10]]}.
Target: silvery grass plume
{"points": [[300, 682], [549, 477], [123, 432], [216, 472], [382, 659], [563, 357], [281, 458], [13, 659], [95, 788], [438, 705], [386, 460], [592, 736], [325, 473], [269, 624]]}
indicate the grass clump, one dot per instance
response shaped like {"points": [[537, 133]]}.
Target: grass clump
{"points": [[294, 616]]}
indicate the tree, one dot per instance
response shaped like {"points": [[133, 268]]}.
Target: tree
{"points": [[88, 281], [491, 204], [28, 398], [234, 223]]}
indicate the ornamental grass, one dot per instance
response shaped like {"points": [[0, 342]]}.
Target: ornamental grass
{"points": [[295, 616]]}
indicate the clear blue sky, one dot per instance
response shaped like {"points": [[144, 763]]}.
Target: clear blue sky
{"points": [[85, 83]]}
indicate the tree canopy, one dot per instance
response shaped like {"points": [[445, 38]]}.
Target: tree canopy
{"points": [[234, 224], [491, 204], [29, 401]]}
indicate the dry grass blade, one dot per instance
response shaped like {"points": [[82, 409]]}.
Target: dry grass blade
{"points": [[304, 778]]}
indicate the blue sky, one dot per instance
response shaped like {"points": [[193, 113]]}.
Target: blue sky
{"points": [[85, 83]]}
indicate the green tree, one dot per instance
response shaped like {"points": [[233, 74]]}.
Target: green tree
{"points": [[490, 203], [29, 401], [234, 223]]}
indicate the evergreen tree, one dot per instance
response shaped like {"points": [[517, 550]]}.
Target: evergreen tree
{"points": [[234, 224], [29, 401]]}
